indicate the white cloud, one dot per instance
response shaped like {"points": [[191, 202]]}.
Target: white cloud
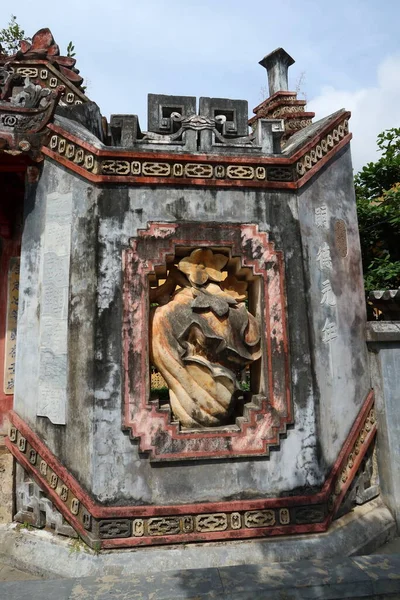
{"points": [[373, 109]]}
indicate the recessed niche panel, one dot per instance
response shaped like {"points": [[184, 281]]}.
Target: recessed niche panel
{"points": [[205, 339]]}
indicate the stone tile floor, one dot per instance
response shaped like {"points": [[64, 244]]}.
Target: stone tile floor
{"points": [[8, 573], [360, 577], [373, 576]]}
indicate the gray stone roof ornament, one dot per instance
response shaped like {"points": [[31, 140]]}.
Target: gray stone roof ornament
{"points": [[277, 64]]}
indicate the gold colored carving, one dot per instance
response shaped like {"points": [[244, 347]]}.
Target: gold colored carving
{"points": [[325, 145], [187, 524], [240, 172], [43, 468], [188, 324], [284, 516], [53, 481], [236, 520], [64, 493], [79, 156], [198, 170], [259, 518], [86, 520], [260, 173], [163, 526], [89, 161], [138, 527], [32, 456], [27, 71], [177, 170], [219, 172], [21, 443], [156, 169], [75, 506], [136, 167], [116, 167], [13, 434], [70, 151], [212, 522]]}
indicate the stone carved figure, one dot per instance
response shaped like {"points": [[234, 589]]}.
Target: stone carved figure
{"points": [[201, 337]]}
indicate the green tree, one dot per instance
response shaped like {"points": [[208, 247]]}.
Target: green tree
{"points": [[11, 36], [377, 188]]}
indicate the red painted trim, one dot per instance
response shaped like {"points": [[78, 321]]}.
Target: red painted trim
{"points": [[262, 430], [231, 534], [99, 511], [114, 153], [24, 462], [307, 176], [194, 181], [351, 439], [271, 99], [180, 181]]}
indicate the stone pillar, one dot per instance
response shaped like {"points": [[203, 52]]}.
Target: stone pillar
{"points": [[384, 351]]}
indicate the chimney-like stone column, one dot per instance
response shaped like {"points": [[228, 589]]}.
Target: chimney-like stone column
{"points": [[277, 64], [281, 103]]}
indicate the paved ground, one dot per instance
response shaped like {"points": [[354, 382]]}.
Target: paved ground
{"points": [[10, 574], [392, 547], [374, 576]]}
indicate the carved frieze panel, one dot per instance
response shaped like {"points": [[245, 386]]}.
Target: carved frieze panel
{"points": [[133, 167], [209, 302], [48, 496]]}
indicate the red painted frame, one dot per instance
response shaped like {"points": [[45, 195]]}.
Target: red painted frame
{"points": [[143, 419]]}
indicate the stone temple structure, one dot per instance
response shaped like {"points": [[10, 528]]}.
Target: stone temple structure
{"points": [[182, 330]]}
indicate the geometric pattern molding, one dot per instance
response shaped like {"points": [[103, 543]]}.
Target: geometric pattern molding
{"points": [[138, 167], [105, 527], [268, 414]]}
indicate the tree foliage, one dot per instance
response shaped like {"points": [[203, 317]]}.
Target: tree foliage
{"points": [[11, 36], [377, 188]]}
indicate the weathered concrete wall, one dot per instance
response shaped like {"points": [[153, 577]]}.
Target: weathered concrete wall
{"points": [[384, 356], [91, 444], [341, 367], [6, 484], [72, 442], [120, 470]]}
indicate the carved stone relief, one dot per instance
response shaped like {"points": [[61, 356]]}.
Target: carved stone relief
{"points": [[202, 336], [208, 301]]}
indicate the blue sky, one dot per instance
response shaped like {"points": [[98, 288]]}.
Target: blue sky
{"points": [[347, 53]]}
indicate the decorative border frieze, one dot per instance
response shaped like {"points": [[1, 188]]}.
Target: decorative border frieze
{"points": [[140, 167], [43, 73], [129, 526]]}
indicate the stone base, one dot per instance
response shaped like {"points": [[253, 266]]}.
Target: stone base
{"points": [[6, 485], [360, 532]]}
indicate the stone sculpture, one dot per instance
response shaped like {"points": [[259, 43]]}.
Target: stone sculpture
{"points": [[202, 337]]}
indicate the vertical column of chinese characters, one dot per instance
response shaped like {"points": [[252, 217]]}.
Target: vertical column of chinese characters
{"points": [[11, 326], [324, 261]]}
